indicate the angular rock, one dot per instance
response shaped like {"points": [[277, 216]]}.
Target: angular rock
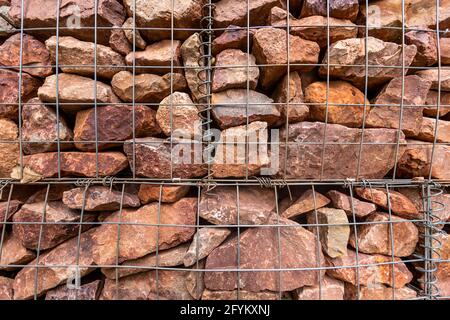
{"points": [[347, 9], [149, 193], [6, 288], [7, 209], [241, 295], [431, 109], [425, 41], [233, 37], [99, 198], [10, 154], [442, 252], [255, 205], [433, 76], [378, 292], [230, 108], [129, 30], [119, 42], [204, 242], [308, 201], [148, 88], [73, 54], [330, 289], [350, 204], [445, 51], [419, 14], [338, 102], [270, 48], [428, 129], [6, 29], [89, 291], [192, 51], [13, 254], [194, 280]]}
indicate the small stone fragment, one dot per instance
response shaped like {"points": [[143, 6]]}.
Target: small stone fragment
{"points": [[204, 242], [149, 193], [428, 129], [89, 291], [118, 41], [378, 292], [432, 103], [433, 76], [425, 41], [330, 289], [233, 37], [129, 29], [13, 254], [350, 204], [10, 152], [308, 201], [6, 288], [192, 52]]}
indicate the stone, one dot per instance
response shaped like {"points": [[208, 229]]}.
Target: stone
{"points": [[106, 124], [350, 204], [178, 117], [81, 164], [119, 42], [389, 103], [13, 254], [75, 92], [239, 295], [204, 242], [158, 58], [233, 37], [339, 102], [220, 207], [150, 193], [226, 74], [309, 200], [285, 247], [7, 209], [88, 291], [270, 48], [425, 41], [10, 152], [397, 202], [230, 108], [329, 289], [428, 130], [423, 13], [372, 270], [347, 59], [43, 130], [74, 54], [378, 292], [192, 51], [55, 193], [42, 14], [444, 44], [130, 30], [6, 288], [186, 15], [6, 29], [347, 9], [60, 224], [194, 280], [233, 159], [375, 237], [340, 158], [148, 88], [9, 95], [35, 58], [431, 109], [441, 243], [433, 76], [99, 198], [158, 158]]}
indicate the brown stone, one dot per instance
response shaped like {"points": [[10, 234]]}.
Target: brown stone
{"points": [[106, 124], [13, 254], [89, 291], [194, 280], [130, 30], [55, 193], [6, 288], [73, 54], [192, 52], [342, 9], [148, 88], [329, 289], [42, 129], [239, 295], [444, 44], [6, 28], [433, 76], [425, 41], [119, 42], [7, 209], [442, 252], [266, 248], [255, 205], [270, 48], [149, 193], [233, 37], [428, 129], [423, 13], [307, 202], [350, 204], [204, 242], [338, 102], [378, 292], [35, 58], [432, 103], [10, 152]]}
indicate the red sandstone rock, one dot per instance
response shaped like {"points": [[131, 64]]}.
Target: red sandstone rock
{"points": [[350, 204], [10, 152], [342, 9], [434, 75], [204, 242], [432, 102], [428, 130], [149, 193], [241, 295], [6, 288], [378, 292], [7, 209], [234, 37], [89, 291], [307, 202], [14, 254], [329, 289], [118, 41], [426, 44]]}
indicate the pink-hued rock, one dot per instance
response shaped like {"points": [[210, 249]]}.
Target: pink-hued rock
{"points": [[204, 242], [425, 41], [241, 295], [233, 37], [350, 204], [434, 75], [445, 51], [442, 252], [428, 129], [119, 42], [307, 202], [6, 288], [192, 52], [89, 291], [342, 9], [10, 152], [133, 35], [329, 289], [432, 102], [7, 209], [14, 254], [378, 292], [150, 193]]}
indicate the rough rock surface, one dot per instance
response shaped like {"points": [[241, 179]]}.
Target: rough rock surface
{"points": [[192, 51], [150, 193], [425, 41], [432, 102], [6, 288], [330, 289], [204, 242], [6, 29], [307, 202], [118, 41], [442, 243], [378, 292], [89, 291], [343, 9], [129, 29], [233, 37], [427, 130], [7, 209], [242, 295], [445, 51], [433, 76], [9, 157], [350, 204], [14, 254]]}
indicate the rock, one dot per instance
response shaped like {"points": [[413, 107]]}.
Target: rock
{"points": [[419, 14], [398, 203], [220, 206], [428, 129], [204, 242], [119, 42], [307, 202], [372, 270], [387, 106], [6, 29], [346, 105], [6, 288], [89, 291], [9, 97], [148, 88], [194, 281], [378, 292], [156, 158], [75, 92], [442, 252], [304, 154], [186, 15], [347, 56], [350, 204], [10, 154], [149, 193], [60, 224], [113, 123], [433, 76], [7, 209], [84, 164], [192, 52], [73, 54], [98, 198], [425, 41], [158, 58], [42, 129], [230, 108], [270, 48], [444, 44], [233, 37], [35, 58], [129, 30], [41, 15], [55, 193], [330, 289], [432, 102], [239, 295], [233, 159], [178, 117], [13, 254], [266, 248], [347, 9], [375, 237]]}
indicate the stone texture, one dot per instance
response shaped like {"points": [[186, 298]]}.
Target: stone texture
{"points": [[89, 291], [148, 88], [82, 164], [231, 108], [270, 47], [194, 280], [55, 193], [60, 224], [330, 289], [307, 202], [444, 44], [346, 104], [427, 53], [242, 295], [99, 198], [119, 42], [6, 29], [129, 30], [73, 54], [204, 242], [423, 13], [192, 51], [10, 152], [6, 288], [341, 153], [350, 204], [262, 248], [154, 158], [347, 59], [442, 245], [150, 193], [427, 130], [342, 9], [113, 123], [233, 37], [433, 76], [432, 102], [14, 254], [255, 205], [42, 129], [157, 58], [7, 209], [378, 292], [35, 58]]}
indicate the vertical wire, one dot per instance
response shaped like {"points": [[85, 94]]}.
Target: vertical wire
{"points": [[391, 235], [247, 120], [118, 242], [318, 243], [19, 92], [355, 230], [133, 108], [238, 243], [5, 219], [288, 91], [171, 90], [58, 4], [95, 90], [280, 284]]}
